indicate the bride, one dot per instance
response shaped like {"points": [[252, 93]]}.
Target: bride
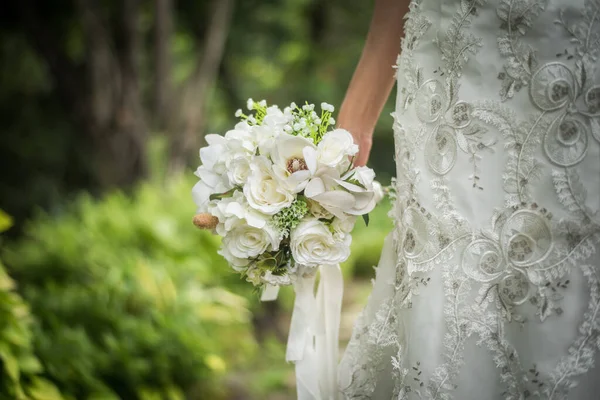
{"points": [[489, 285]]}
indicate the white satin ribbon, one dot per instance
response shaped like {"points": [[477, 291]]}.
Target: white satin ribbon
{"points": [[314, 333], [329, 308]]}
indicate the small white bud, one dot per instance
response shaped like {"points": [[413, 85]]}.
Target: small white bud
{"points": [[238, 112], [250, 104], [327, 107], [331, 121]]}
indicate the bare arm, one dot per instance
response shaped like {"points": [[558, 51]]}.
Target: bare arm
{"points": [[373, 78]]}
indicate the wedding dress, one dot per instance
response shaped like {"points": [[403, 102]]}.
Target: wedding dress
{"points": [[489, 285]]}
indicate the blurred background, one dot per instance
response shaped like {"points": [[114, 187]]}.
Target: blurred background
{"points": [[107, 291]]}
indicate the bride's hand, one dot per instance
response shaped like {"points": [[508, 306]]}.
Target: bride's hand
{"points": [[364, 142]]}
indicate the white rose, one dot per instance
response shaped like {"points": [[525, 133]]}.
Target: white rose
{"points": [[289, 165], [263, 191], [230, 210], [238, 170], [335, 149], [313, 244], [245, 242]]}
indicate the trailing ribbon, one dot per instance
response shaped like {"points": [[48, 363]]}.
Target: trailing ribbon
{"points": [[314, 333], [329, 309]]}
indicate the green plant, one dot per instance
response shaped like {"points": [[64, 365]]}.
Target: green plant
{"points": [[20, 369], [130, 300]]}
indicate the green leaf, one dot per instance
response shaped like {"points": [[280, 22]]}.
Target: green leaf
{"points": [[11, 366], [42, 389], [366, 219], [5, 221]]}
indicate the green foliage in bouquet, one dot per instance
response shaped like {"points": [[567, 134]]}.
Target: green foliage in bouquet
{"points": [[129, 299], [20, 370]]}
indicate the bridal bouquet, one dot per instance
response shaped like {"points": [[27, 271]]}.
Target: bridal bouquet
{"points": [[281, 191]]}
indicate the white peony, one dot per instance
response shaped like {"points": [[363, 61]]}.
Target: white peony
{"points": [[231, 210], [245, 242], [335, 149], [289, 165], [313, 244], [263, 191]]}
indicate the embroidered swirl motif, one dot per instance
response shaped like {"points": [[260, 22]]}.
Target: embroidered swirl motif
{"points": [[520, 265]]}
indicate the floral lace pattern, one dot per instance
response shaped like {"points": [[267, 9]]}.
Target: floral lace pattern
{"points": [[536, 250]]}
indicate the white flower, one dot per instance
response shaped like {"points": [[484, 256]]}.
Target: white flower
{"points": [[323, 186], [317, 210], [211, 156], [273, 125], [238, 170], [331, 121], [250, 104], [289, 165], [327, 107], [360, 182], [378, 190], [238, 112], [231, 210], [263, 191], [335, 149], [343, 226], [212, 172], [313, 244], [244, 242], [240, 141]]}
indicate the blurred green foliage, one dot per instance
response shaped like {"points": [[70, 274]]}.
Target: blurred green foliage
{"points": [[129, 300], [20, 369]]}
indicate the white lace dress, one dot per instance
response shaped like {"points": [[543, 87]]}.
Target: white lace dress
{"points": [[489, 286]]}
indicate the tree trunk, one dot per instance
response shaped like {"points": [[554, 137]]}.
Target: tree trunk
{"points": [[115, 121], [101, 93], [163, 86], [189, 127]]}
